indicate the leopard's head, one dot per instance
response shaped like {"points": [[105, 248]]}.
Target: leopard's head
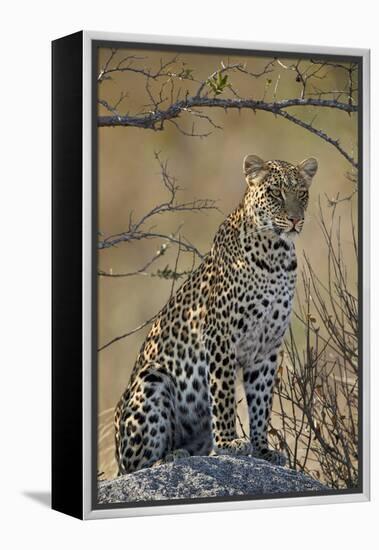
{"points": [[277, 195]]}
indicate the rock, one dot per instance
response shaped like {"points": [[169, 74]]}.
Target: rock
{"points": [[211, 476]]}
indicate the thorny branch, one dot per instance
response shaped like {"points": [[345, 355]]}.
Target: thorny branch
{"points": [[127, 64], [319, 133], [167, 103]]}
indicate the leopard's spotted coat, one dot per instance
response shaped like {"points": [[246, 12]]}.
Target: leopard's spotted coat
{"points": [[232, 312]]}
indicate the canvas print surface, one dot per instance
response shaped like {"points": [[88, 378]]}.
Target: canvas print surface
{"points": [[228, 243]]}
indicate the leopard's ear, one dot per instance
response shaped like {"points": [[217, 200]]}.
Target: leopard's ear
{"points": [[308, 169], [253, 168]]}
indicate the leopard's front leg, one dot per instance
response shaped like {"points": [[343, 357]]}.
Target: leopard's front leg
{"points": [[222, 386], [259, 381]]}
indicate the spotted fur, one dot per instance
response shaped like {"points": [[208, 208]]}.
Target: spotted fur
{"points": [[231, 313]]}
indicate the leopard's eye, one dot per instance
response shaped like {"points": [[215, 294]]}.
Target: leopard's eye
{"points": [[302, 194], [275, 192]]}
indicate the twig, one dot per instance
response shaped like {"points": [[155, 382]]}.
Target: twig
{"points": [[129, 333]]}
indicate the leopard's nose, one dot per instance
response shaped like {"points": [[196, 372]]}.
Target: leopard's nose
{"points": [[294, 221]]}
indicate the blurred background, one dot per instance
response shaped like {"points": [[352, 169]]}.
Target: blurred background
{"points": [[206, 167]]}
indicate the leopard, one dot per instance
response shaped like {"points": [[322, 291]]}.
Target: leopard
{"points": [[228, 318]]}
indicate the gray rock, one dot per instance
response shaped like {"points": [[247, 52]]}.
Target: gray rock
{"points": [[211, 476]]}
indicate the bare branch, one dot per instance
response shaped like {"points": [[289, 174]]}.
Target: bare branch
{"points": [[142, 270], [129, 333], [320, 133], [127, 64], [316, 407], [170, 106], [155, 120], [136, 231], [177, 108]]}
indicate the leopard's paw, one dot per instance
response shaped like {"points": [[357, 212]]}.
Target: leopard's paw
{"points": [[172, 456], [177, 454], [275, 457], [234, 447]]}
